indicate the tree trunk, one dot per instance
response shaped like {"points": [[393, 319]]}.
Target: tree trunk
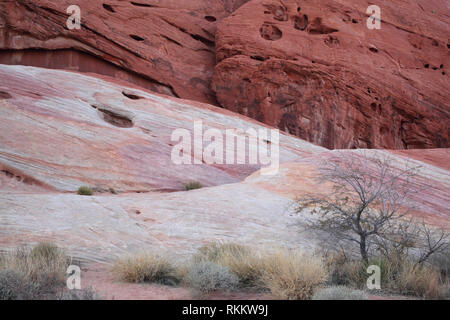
{"points": [[363, 249]]}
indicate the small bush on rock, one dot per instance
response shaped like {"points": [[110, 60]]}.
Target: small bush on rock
{"points": [[85, 191], [191, 185]]}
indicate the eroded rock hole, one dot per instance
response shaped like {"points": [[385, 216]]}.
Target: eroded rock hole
{"points": [[137, 4], [317, 27], [332, 41], [300, 23], [114, 118], [270, 32], [5, 95], [210, 18], [259, 58], [131, 95], [279, 12], [108, 8], [137, 38], [205, 41]]}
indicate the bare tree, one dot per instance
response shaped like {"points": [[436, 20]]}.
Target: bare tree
{"points": [[368, 204]]}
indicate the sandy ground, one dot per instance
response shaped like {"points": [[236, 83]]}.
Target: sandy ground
{"points": [[99, 277]]}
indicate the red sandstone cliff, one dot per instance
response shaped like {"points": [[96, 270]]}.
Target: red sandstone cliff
{"points": [[314, 69], [311, 68], [165, 46]]}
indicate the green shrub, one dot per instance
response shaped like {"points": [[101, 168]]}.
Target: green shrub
{"points": [[146, 267], [191, 185], [85, 191], [339, 293], [207, 276]]}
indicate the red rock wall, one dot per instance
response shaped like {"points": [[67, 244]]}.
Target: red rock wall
{"points": [[168, 46], [314, 69], [310, 68]]}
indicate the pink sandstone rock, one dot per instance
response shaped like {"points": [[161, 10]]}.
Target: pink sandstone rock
{"points": [[52, 140], [61, 130]]}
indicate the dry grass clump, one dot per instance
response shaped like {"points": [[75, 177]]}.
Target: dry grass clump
{"points": [[243, 261], [146, 267], [399, 275], [292, 275], [285, 273], [422, 281], [33, 273], [44, 264], [344, 271]]}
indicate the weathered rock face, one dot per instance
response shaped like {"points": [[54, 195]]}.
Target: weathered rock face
{"points": [[165, 46], [60, 130], [314, 69]]}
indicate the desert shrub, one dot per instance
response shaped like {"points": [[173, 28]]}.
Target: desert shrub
{"points": [[207, 276], [422, 281], [343, 271], [15, 286], [239, 259], [45, 265], [191, 185], [85, 294], [39, 272], [85, 191], [399, 274], [291, 274], [146, 267], [441, 262], [339, 293]]}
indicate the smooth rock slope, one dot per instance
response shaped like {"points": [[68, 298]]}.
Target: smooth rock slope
{"points": [[61, 130], [52, 140]]}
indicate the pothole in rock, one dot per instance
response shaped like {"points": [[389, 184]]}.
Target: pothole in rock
{"points": [[5, 95], [210, 18], [131, 95], [136, 37], [108, 8], [117, 119], [270, 32]]}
